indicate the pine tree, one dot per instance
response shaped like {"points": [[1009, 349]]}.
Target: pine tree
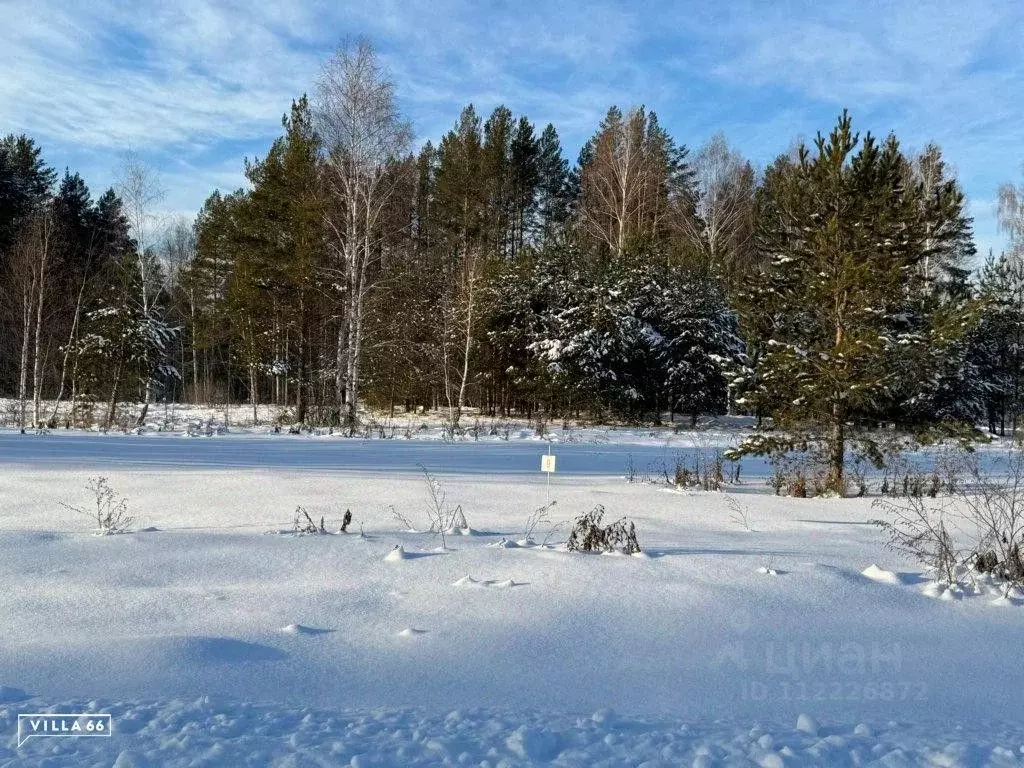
{"points": [[554, 193], [283, 248], [998, 346], [840, 299]]}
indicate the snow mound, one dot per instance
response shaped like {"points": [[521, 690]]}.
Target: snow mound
{"points": [[537, 744], [411, 632], [466, 581], [1010, 599], [507, 584], [396, 554], [939, 591], [807, 724], [504, 544], [765, 570], [880, 575]]}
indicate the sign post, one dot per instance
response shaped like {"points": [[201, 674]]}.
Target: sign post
{"points": [[547, 466]]}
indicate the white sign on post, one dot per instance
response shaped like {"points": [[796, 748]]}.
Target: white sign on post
{"points": [[547, 463]]}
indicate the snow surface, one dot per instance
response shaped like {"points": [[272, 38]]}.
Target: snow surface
{"points": [[214, 643]]}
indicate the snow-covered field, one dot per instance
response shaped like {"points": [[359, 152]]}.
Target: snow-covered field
{"points": [[215, 639]]}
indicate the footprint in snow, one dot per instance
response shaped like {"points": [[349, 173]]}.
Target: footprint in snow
{"points": [[471, 583]]}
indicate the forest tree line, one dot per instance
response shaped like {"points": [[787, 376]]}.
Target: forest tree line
{"points": [[835, 291]]}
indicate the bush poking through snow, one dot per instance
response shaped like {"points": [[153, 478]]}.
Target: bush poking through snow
{"points": [[917, 529], [739, 512], [444, 518], [588, 536], [345, 521], [110, 511], [402, 520], [989, 508], [305, 524], [537, 517]]}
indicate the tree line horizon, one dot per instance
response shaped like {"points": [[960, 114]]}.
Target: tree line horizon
{"points": [[831, 294]]}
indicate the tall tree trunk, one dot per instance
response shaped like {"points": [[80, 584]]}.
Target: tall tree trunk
{"points": [[195, 353], [252, 392], [72, 342], [37, 367], [114, 386], [301, 404], [837, 450], [26, 329], [466, 348]]}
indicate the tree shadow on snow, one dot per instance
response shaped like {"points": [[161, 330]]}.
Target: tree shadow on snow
{"points": [[226, 650], [835, 522], [746, 552]]}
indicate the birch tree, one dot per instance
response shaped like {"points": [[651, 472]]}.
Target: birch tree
{"points": [[363, 136], [724, 207], [140, 190], [1011, 215]]}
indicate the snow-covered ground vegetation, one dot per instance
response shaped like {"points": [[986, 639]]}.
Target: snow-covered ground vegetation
{"points": [[788, 635]]}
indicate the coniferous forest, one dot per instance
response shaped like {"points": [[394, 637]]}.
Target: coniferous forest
{"points": [[832, 294]]}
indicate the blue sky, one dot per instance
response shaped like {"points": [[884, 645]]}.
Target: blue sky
{"points": [[193, 86]]}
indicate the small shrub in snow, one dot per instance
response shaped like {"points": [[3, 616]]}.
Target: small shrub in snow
{"points": [[631, 472], [110, 509], [305, 524], [444, 518], [918, 529], [345, 521], [739, 514], [797, 485], [705, 470], [859, 478], [988, 509], [904, 478], [683, 477], [502, 430], [588, 536], [994, 504], [403, 521], [538, 517]]}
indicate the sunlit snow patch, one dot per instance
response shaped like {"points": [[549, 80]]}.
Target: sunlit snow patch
{"points": [[411, 632], [880, 575], [396, 554]]}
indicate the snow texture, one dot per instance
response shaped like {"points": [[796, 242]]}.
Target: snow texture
{"points": [[211, 643]]}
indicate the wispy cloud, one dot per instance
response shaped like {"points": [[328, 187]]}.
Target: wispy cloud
{"points": [[194, 85]]}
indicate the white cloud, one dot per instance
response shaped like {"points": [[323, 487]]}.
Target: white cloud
{"points": [[193, 84]]}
